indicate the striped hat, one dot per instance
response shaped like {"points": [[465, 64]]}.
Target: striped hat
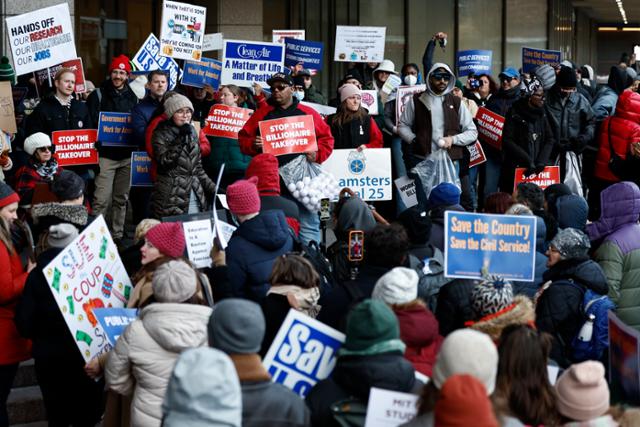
{"points": [[7, 74], [7, 195]]}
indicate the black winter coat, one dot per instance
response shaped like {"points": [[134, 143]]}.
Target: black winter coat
{"points": [[558, 310], [500, 103], [350, 135], [573, 124], [454, 306], [50, 116], [179, 171]]}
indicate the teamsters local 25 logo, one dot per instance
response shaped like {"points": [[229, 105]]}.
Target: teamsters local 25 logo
{"points": [[357, 162]]}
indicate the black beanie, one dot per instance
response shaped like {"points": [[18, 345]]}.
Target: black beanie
{"points": [[566, 77], [417, 223], [67, 186]]}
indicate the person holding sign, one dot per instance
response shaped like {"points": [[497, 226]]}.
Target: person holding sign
{"points": [[352, 126]]}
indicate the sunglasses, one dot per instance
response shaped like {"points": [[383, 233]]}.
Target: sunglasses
{"points": [[44, 149], [441, 76], [278, 88]]}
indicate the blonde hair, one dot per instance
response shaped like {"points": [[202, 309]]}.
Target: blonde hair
{"points": [[144, 226], [62, 71]]}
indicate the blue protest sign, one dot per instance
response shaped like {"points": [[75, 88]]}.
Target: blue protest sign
{"points": [[114, 129], [140, 169], [303, 352], [532, 58], [115, 320], [248, 62], [504, 245], [304, 52], [148, 59], [474, 61], [202, 73]]}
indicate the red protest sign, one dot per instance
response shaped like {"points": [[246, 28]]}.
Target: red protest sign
{"points": [[225, 121], [549, 176], [75, 64], [288, 135], [75, 147], [476, 153], [490, 126]]}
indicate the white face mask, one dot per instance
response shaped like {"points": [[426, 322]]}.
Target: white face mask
{"points": [[410, 80], [299, 94]]}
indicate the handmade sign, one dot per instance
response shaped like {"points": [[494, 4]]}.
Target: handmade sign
{"points": [[199, 238], [500, 245], [86, 275], [474, 62], [549, 176], [182, 30], [303, 352], [388, 408], [40, 39], [115, 320], [7, 112], [489, 125], [369, 99], [359, 44], [404, 94], [141, 169], [114, 129], [212, 42], [199, 74], [247, 62], [75, 147], [366, 172], [289, 135], [407, 189], [226, 122], [148, 58], [533, 58]]}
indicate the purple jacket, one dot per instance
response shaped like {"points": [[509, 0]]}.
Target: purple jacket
{"points": [[620, 208]]}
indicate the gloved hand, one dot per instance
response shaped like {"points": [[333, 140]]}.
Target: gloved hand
{"points": [[530, 170], [577, 144], [539, 168], [185, 129]]}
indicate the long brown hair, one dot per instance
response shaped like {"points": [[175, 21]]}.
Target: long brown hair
{"points": [[344, 115], [522, 380], [293, 269]]}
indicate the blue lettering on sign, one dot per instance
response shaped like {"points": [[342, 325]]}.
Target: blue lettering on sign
{"points": [[254, 51], [43, 54]]}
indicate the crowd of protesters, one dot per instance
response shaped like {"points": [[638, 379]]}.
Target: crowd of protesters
{"points": [[475, 351]]}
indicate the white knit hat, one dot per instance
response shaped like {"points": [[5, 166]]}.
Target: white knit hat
{"points": [[35, 141], [175, 103], [348, 90], [398, 286], [467, 351], [174, 281], [386, 65]]}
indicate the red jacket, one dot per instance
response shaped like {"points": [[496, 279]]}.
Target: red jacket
{"points": [[623, 128], [248, 134], [13, 348], [419, 331]]}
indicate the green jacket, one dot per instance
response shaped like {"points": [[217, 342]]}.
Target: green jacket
{"points": [[311, 94], [226, 150]]}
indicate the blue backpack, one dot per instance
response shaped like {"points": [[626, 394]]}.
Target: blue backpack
{"points": [[598, 306]]}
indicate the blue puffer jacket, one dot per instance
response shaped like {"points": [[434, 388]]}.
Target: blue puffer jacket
{"points": [[252, 250], [530, 288], [140, 118]]}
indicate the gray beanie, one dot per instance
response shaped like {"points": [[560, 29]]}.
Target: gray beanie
{"points": [[547, 76], [571, 243], [60, 235], [174, 281], [175, 103], [236, 326]]}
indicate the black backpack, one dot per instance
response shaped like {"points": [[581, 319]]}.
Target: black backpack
{"points": [[314, 255]]}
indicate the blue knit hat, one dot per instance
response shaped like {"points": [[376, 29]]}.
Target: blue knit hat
{"points": [[444, 194]]}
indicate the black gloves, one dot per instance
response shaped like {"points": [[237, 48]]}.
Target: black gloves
{"points": [[185, 129], [539, 168]]}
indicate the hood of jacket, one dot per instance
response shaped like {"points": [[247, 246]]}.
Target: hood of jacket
{"points": [[583, 271], [628, 106], [521, 312], [355, 214], [390, 371], [572, 212], [176, 327], [452, 80], [74, 214], [269, 230], [418, 326], [620, 206], [617, 79]]}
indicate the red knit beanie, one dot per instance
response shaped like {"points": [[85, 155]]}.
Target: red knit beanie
{"points": [[168, 237], [264, 166], [464, 402], [242, 196], [120, 63], [7, 195]]}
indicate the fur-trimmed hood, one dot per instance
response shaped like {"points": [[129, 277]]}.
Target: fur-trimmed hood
{"points": [[74, 214], [521, 312]]}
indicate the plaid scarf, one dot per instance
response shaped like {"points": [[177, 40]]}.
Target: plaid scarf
{"points": [[47, 170]]}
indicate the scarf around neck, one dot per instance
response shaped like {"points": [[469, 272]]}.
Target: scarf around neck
{"points": [[46, 170], [307, 299]]}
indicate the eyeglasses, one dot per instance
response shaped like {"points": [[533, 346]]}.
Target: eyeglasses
{"points": [[279, 88], [441, 76], [184, 112], [506, 78], [44, 149]]}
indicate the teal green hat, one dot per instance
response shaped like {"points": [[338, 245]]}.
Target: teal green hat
{"points": [[372, 328], [459, 84], [6, 71]]}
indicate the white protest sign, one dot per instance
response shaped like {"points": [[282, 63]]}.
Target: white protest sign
{"points": [[369, 99], [359, 44], [407, 189], [366, 172], [88, 274], [225, 229], [323, 110], [278, 36], [223, 201], [390, 408], [182, 30], [552, 372], [148, 58], [404, 94], [199, 238], [391, 84], [40, 39], [303, 352], [212, 42], [247, 62]]}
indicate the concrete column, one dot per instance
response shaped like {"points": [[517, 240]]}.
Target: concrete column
{"points": [[240, 19]]}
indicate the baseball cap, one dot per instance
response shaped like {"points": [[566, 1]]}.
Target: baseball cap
{"points": [[280, 77], [510, 72]]}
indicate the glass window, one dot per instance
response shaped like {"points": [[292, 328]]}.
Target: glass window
{"points": [[480, 27], [390, 14], [534, 34], [424, 23]]}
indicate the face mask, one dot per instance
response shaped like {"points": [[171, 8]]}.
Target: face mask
{"points": [[299, 95], [410, 80]]}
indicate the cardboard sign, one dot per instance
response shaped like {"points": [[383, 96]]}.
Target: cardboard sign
{"points": [[303, 352], [288, 135], [477, 156], [40, 39], [114, 129], [148, 58], [140, 169], [359, 44], [247, 62], [226, 122], [212, 42], [7, 112], [199, 74], [388, 408], [115, 320], [407, 189], [369, 101], [75, 147], [306, 53], [366, 172], [532, 58], [504, 245], [278, 36], [624, 361], [549, 176], [43, 76], [88, 274], [199, 238], [323, 110], [489, 125], [182, 30], [474, 61], [404, 94]]}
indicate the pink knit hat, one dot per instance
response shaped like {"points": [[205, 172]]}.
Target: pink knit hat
{"points": [[348, 90], [583, 393], [243, 197], [168, 238]]}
